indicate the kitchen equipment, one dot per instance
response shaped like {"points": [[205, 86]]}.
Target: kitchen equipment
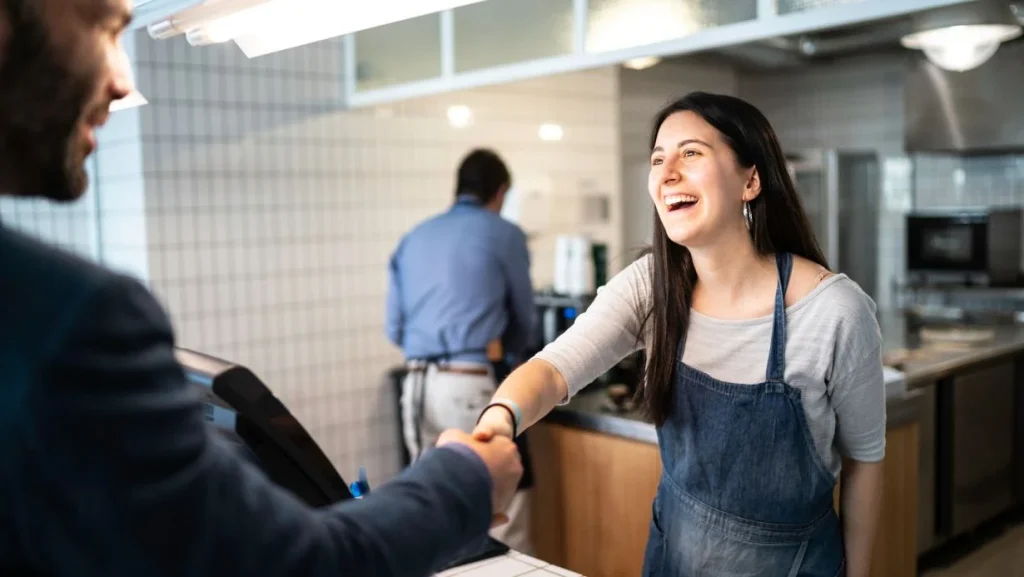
{"points": [[975, 448], [971, 112], [966, 336], [981, 247], [574, 266], [555, 314], [831, 182], [248, 415]]}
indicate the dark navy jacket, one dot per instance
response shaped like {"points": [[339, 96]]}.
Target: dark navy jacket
{"points": [[107, 467]]}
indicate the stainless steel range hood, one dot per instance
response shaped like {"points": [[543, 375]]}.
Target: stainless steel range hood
{"points": [[979, 111]]}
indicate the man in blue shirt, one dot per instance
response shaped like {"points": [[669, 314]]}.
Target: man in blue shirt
{"points": [[459, 285], [107, 467]]}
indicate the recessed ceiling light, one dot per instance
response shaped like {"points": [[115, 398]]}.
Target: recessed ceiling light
{"points": [[460, 116], [550, 132]]}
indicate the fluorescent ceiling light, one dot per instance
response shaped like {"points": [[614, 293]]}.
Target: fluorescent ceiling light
{"points": [[550, 132], [642, 63], [964, 36], [134, 99], [460, 116], [263, 26]]}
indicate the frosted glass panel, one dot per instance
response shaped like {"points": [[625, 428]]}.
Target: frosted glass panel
{"points": [[402, 52], [499, 32], [616, 24], [789, 6]]}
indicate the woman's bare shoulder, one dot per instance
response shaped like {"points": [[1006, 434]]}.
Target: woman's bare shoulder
{"points": [[806, 277]]}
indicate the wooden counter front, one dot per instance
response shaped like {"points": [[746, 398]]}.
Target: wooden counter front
{"points": [[593, 494], [592, 499]]}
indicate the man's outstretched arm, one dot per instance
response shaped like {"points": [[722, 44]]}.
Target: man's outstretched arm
{"points": [[123, 477]]}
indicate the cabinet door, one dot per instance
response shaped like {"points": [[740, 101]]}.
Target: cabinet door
{"points": [[592, 499], [983, 427]]}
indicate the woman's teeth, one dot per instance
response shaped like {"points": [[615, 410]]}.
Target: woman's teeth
{"points": [[679, 200]]}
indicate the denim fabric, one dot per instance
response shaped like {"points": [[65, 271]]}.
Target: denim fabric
{"points": [[743, 490]]}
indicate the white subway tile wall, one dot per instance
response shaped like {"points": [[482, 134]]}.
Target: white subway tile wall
{"points": [[271, 212]]}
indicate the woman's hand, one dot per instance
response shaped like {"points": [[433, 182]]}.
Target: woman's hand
{"points": [[494, 421]]}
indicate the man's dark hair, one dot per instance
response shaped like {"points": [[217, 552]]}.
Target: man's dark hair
{"points": [[482, 174]]}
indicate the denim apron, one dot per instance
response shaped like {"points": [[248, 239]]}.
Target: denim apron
{"points": [[743, 491]]}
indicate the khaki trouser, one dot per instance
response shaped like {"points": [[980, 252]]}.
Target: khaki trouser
{"points": [[438, 400]]}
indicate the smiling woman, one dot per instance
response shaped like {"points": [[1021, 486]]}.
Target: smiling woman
{"points": [[764, 374]]}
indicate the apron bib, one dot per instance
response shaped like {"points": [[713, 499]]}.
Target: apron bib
{"points": [[743, 491]]}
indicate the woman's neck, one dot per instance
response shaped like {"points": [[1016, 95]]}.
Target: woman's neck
{"points": [[731, 275]]}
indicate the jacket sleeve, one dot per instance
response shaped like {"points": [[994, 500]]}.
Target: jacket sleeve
{"points": [[129, 480]]}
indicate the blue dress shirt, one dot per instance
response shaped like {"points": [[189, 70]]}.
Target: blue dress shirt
{"points": [[457, 282]]}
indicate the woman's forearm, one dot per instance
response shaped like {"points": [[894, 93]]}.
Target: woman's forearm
{"points": [[860, 509], [536, 387]]}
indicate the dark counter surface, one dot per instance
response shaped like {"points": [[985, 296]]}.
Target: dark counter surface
{"points": [[592, 410], [925, 363]]}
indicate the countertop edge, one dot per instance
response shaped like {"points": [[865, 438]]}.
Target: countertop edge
{"points": [[901, 409]]}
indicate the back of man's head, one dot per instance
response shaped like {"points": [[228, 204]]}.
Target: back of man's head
{"points": [[483, 175]]}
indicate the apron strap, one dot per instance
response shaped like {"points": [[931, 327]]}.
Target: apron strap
{"points": [[777, 353]]}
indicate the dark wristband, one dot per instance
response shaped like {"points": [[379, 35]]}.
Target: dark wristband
{"points": [[515, 433]]}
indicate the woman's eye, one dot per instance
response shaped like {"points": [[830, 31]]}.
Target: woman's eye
{"points": [[656, 162], [689, 153]]}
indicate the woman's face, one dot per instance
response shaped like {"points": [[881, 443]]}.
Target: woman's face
{"points": [[696, 183]]}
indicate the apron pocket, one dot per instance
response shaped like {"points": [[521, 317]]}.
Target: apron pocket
{"points": [[654, 554]]}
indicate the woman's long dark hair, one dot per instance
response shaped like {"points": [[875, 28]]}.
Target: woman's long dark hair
{"points": [[779, 225]]}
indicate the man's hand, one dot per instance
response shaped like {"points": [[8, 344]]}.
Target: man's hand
{"points": [[503, 462], [494, 422]]}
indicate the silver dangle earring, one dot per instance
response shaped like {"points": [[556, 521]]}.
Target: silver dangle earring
{"points": [[747, 215]]}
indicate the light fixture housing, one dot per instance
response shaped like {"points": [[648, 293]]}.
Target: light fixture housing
{"points": [[964, 36], [260, 27]]}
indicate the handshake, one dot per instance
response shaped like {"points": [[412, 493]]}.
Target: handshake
{"points": [[492, 441]]}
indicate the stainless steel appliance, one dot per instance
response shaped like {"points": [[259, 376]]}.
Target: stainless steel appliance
{"points": [[555, 314], [975, 112], [975, 460], [841, 193], [980, 247]]}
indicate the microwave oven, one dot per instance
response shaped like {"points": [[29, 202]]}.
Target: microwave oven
{"points": [[982, 247]]}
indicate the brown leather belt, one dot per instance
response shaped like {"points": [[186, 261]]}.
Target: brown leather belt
{"points": [[495, 352], [477, 371]]}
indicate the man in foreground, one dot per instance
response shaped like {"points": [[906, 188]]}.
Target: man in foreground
{"points": [[106, 464]]}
